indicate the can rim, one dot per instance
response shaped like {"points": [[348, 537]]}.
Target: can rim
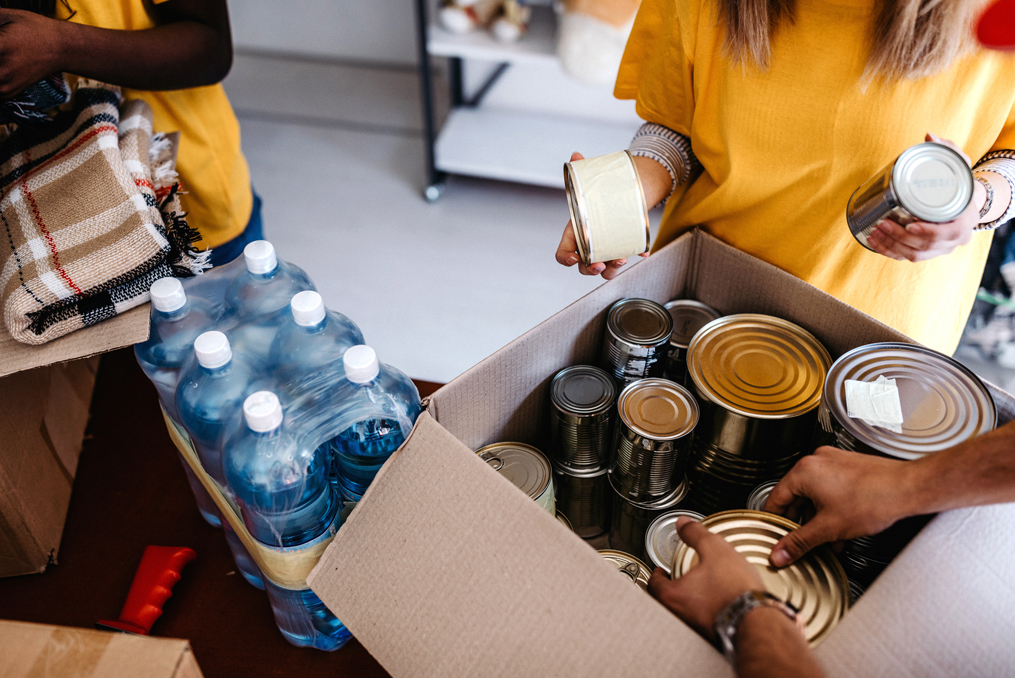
{"points": [[670, 500], [600, 406], [903, 192], [536, 454], [655, 526], [565, 470], [688, 398], [659, 339], [613, 555], [690, 303]]}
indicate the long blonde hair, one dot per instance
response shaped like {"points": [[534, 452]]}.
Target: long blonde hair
{"points": [[908, 38]]}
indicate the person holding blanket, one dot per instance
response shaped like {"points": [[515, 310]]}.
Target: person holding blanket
{"points": [[763, 116]]}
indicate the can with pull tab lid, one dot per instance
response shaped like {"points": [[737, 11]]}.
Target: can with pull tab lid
{"points": [[581, 417], [927, 182], [527, 468], [662, 540], [629, 566], [637, 340]]}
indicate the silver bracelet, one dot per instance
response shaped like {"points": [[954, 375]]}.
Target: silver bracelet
{"points": [[989, 202]]}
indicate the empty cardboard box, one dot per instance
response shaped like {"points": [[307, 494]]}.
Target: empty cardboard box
{"points": [[40, 650], [45, 394], [445, 569]]}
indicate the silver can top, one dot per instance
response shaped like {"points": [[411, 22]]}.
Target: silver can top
{"points": [[689, 316], [527, 468], [756, 502], [658, 409], [641, 322], [932, 182], [943, 403], [662, 540], [582, 390]]}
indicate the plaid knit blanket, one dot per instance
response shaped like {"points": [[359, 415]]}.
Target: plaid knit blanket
{"points": [[89, 216]]}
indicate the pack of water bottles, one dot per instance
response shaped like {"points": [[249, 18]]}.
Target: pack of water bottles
{"points": [[287, 409]]}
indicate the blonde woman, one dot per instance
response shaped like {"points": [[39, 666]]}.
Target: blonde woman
{"points": [[765, 115]]}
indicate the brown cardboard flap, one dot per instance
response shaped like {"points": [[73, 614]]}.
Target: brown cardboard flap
{"points": [[123, 330], [42, 651], [446, 569]]}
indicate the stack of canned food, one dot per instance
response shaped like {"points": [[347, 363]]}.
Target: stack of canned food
{"points": [[693, 414]]}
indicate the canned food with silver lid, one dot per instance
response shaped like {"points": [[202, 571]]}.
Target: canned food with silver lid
{"points": [[653, 439], [631, 519], [927, 182], [637, 340], [581, 417], [689, 316], [662, 540], [525, 467], [756, 502], [584, 498]]}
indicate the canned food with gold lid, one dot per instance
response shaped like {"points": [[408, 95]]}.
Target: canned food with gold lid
{"points": [[657, 418], [637, 340], [607, 206], [629, 566], [689, 316], [525, 467], [662, 540], [815, 584], [581, 417], [927, 182]]}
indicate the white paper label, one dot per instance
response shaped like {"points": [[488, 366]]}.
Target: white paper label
{"points": [[876, 403]]}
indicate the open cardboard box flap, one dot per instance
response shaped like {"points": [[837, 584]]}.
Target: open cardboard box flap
{"points": [[445, 569]]}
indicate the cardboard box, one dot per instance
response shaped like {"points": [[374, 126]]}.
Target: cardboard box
{"points": [[45, 394], [445, 569], [40, 650]]}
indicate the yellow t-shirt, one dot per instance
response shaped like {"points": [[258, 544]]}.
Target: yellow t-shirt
{"points": [[213, 172], [783, 149]]}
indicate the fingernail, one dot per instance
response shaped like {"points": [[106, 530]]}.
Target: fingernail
{"points": [[619, 263], [780, 557], [572, 259], [596, 269]]}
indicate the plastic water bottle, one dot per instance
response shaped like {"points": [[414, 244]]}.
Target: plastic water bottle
{"points": [[280, 480], [209, 396], [211, 286], [257, 299], [176, 321], [306, 355], [379, 406]]}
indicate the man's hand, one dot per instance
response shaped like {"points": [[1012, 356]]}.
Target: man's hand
{"points": [[30, 50], [921, 240], [849, 494], [721, 575]]}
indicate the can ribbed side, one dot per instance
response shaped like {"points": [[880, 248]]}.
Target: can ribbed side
{"points": [[582, 443], [585, 502], [628, 363], [646, 469], [629, 524], [720, 481]]}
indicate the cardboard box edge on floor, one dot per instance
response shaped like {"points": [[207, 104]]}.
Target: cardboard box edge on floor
{"points": [[45, 395], [31, 650], [443, 569]]}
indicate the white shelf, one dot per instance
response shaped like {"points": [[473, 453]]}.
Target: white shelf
{"points": [[539, 44], [525, 147]]}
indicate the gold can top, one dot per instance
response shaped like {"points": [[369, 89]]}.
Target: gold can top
{"points": [[658, 409], [629, 566], [815, 585], [758, 366], [527, 468]]}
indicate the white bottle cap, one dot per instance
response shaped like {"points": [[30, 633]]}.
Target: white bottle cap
{"points": [[213, 350], [361, 365], [308, 308], [168, 295], [263, 411], [260, 257]]}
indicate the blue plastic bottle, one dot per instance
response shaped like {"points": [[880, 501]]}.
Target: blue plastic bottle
{"points": [[280, 480], [176, 321], [378, 405], [209, 396], [257, 298]]}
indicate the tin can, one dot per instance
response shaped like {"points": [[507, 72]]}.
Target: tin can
{"points": [[562, 519], [928, 182], [637, 340], [689, 316], [653, 439], [662, 540], [629, 566], [525, 467], [756, 502], [630, 519], [759, 382], [815, 584], [581, 417], [607, 206], [855, 592], [584, 498]]}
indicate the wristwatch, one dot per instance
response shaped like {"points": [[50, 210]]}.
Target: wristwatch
{"points": [[728, 621]]}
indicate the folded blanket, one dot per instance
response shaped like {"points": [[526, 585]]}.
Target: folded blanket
{"points": [[89, 216]]}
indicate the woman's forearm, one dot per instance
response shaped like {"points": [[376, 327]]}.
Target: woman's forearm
{"points": [[655, 180]]}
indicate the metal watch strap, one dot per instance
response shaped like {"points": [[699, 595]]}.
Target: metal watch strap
{"points": [[727, 622]]}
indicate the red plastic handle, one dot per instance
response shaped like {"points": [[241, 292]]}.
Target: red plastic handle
{"points": [[153, 584]]}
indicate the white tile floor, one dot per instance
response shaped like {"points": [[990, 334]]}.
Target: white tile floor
{"points": [[336, 154]]}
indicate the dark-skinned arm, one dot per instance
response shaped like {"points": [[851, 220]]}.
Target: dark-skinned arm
{"points": [[854, 495], [189, 47]]}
